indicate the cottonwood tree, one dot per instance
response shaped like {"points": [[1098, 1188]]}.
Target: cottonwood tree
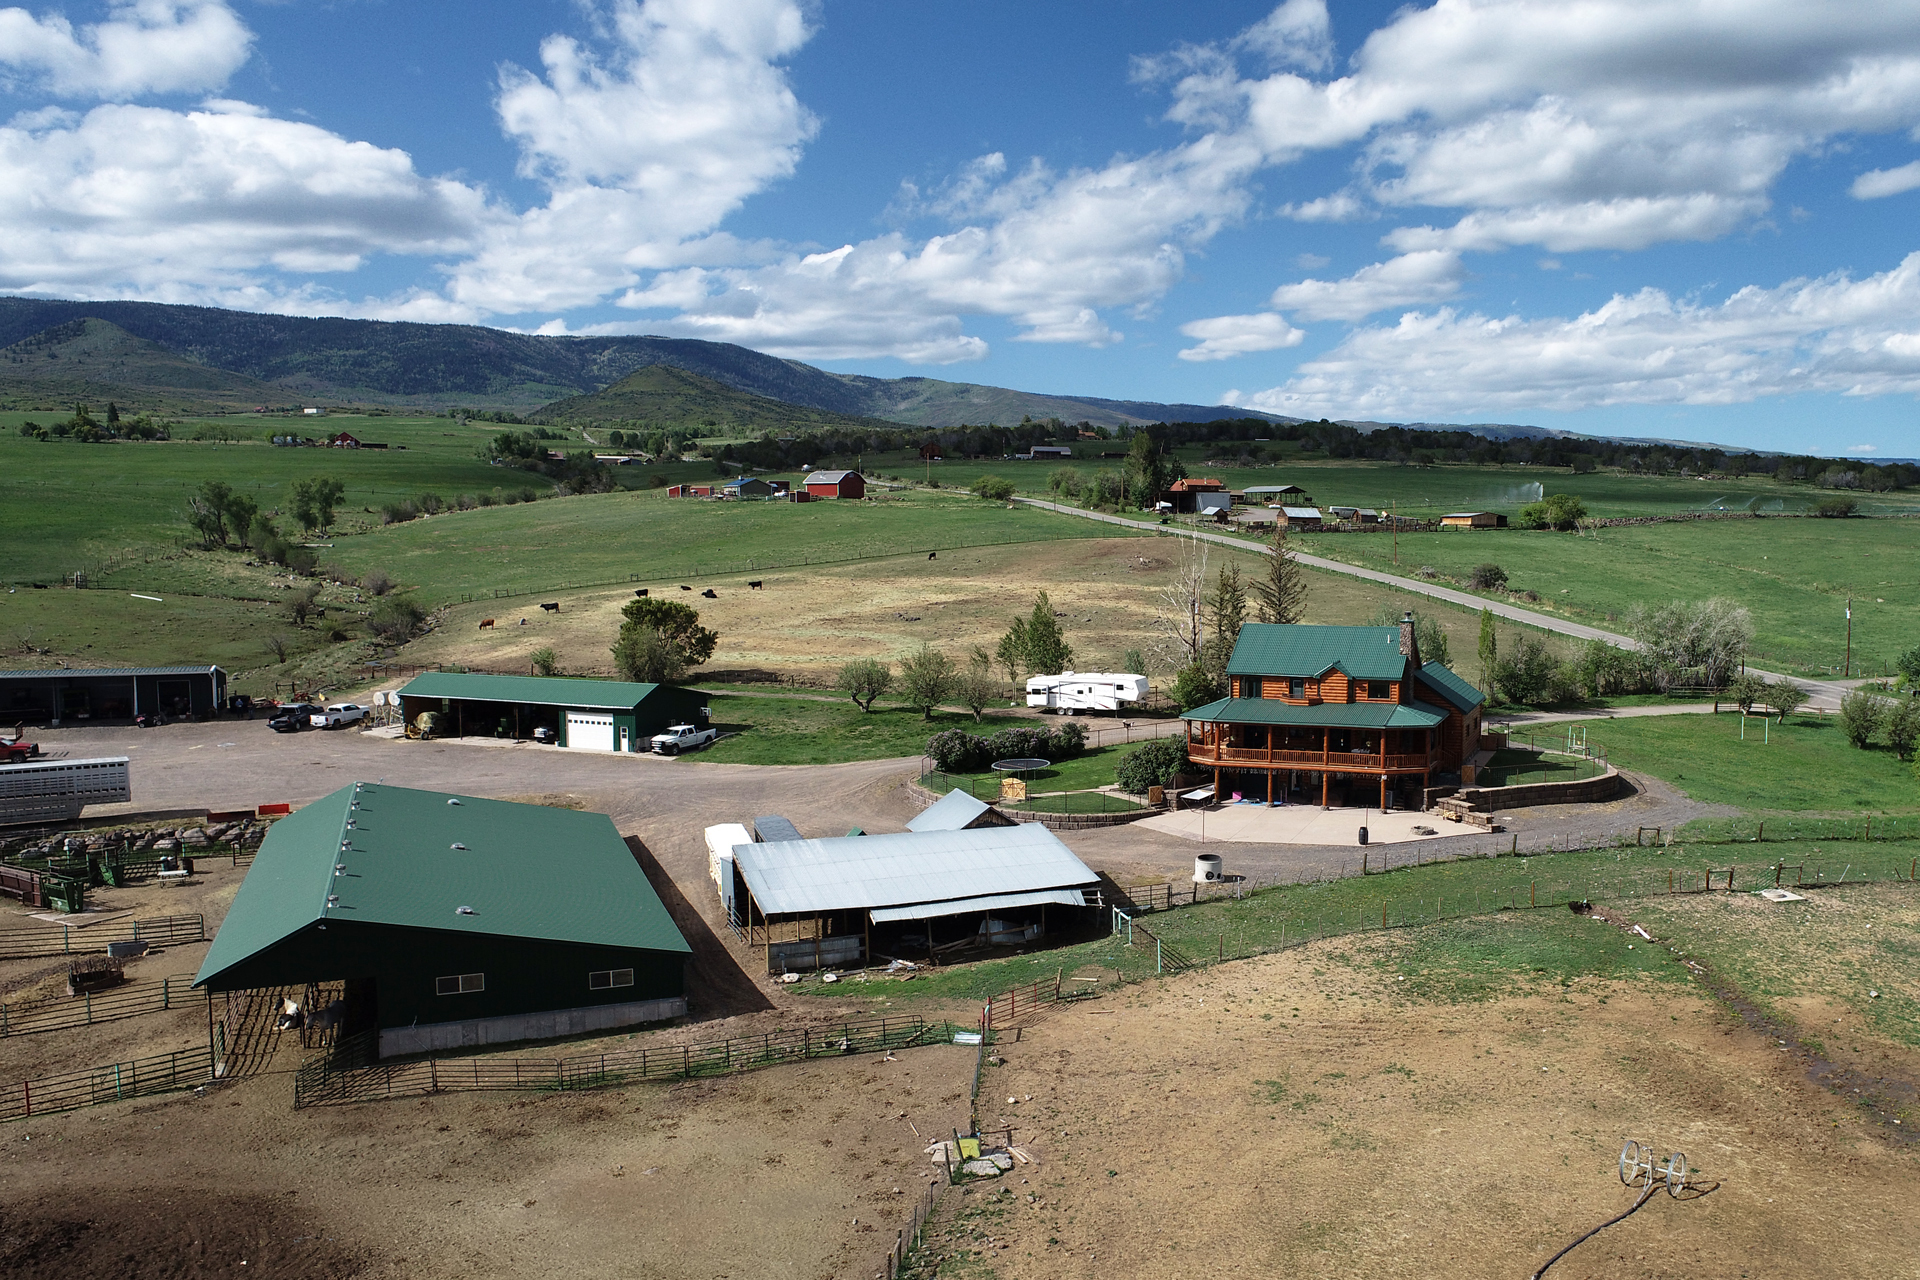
{"points": [[1703, 642], [677, 627], [314, 500], [1861, 715], [645, 655], [974, 685], [1178, 620], [926, 679], [1785, 697], [1281, 594], [1903, 728], [864, 680]]}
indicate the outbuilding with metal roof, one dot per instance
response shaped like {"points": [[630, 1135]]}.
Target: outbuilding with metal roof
{"points": [[111, 693], [587, 715], [835, 484], [453, 921]]}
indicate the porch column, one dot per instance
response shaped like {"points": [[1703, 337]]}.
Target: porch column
{"points": [[1383, 793], [1269, 781], [1323, 788]]}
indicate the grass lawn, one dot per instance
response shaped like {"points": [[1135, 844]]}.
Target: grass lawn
{"points": [[1074, 802], [1795, 575], [1808, 767], [1082, 773], [770, 730]]}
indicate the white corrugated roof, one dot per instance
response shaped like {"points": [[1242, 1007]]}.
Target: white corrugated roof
{"points": [[967, 906], [851, 872], [950, 812], [826, 477], [1302, 513]]}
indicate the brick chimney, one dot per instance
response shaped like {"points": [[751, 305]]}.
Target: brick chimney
{"points": [[1409, 645]]}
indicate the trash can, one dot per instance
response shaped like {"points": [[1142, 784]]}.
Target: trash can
{"points": [[1363, 835]]}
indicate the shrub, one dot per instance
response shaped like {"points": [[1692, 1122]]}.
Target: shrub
{"points": [[1908, 664], [545, 662], [1194, 687], [398, 512], [1861, 714], [1426, 571], [1487, 577], [395, 619], [1529, 674], [301, 559], [376, 582], [1903, 728], [1561, 511], [1785, 697], [994, 488], [957, 751], [1835, 508], [1151, 764], [334, 630], [431, 504]]}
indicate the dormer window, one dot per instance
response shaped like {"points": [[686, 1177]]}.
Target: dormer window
{"points": [[1379, 690], [1297, 689]]}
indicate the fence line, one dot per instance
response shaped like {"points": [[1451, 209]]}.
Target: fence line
{"points": [[139, 1078], [30, 944], [58, 1013], [909, 1239], [348, 1074]]}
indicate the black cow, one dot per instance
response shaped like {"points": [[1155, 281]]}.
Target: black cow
{"points": [[641, 592], [708, 594], [552, 608], [685, 587], [932, 554], [757, 585]]}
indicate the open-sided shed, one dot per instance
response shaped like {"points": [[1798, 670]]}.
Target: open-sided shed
{"points": [[589, 715], [453, 920], [111, 693], [837, 901]]}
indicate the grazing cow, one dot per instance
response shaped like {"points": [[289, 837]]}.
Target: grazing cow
{"points": [[757, 585], [932, 554], [685, 587], [708, 594], [552, 608], [486, 624], [641, 592]]}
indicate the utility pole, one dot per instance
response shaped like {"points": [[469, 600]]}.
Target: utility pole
{"points": [[1393, 517], [1849, 667]]}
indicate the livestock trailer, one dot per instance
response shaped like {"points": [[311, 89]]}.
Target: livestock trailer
{"points": [[57, 790], [1085, 690]]}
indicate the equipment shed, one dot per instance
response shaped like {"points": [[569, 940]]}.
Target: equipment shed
{"points": [[822, 903], [111, 693], [453, 921], [835, 484], [587, 715]]}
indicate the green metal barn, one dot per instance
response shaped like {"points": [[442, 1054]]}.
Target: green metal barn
{"points": [[453, 921], [587, 715]]}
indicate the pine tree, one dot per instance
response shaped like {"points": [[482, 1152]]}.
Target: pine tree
{"points": [[1226, 607], [1047, 650], [1282, 593]]}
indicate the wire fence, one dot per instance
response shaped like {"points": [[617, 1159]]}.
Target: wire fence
{"points": [[1752, 830], [58, 1013], [161, 931], [115, 1082], [990, 790], [349, 1074], [1577, 769]]}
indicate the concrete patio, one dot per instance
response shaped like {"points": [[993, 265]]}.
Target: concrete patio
{"points": [[1296, 824]]}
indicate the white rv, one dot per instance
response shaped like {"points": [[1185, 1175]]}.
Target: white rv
{"points": [[1072, 691]]}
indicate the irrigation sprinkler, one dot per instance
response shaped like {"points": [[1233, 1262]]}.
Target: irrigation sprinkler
{"points": [[1639, 1168]]}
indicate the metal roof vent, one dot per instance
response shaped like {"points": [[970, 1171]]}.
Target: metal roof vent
{"points": [[339, 868], [456, 845], [453, 802], [333, 899], [463, 911]]}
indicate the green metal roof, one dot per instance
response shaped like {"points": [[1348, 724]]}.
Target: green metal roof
{"points": [[547, 690], [387, 855], [1330, 715], [1448, 684], [1277, 649]]}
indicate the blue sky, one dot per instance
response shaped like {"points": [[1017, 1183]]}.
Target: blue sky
{"points": [[1681, 218]]}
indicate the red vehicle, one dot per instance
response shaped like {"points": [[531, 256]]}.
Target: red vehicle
{"points": [[18, 750]]}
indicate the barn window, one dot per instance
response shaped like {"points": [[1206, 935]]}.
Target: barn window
{"points": [[458, 984], [605, 979]]}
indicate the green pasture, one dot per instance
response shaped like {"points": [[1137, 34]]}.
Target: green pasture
{"points": [[648, 538], [112, 628], [1795, 576], [1806, 768], [772, 730]]}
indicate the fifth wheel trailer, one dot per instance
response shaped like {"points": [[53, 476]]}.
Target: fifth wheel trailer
{"points": [[1085, 690], [57, 790]]}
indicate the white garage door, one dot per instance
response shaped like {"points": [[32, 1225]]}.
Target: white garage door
{"points": [[587, 732]]}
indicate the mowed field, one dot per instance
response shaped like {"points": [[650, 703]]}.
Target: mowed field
{"points": [[807, 621]]}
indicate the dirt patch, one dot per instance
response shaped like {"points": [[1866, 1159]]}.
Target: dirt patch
{"points": [[1299, 1113], [177, 1232]]}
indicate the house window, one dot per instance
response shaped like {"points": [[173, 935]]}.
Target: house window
{"points": [[1379, 690], [1251, 687], [459, 984], [1296, 688], [607, 979]]}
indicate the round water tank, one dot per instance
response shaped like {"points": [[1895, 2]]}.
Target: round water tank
{"points": [[1206, 868]]}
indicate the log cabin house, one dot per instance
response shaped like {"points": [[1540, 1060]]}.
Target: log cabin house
{"points": [[1349, 713]]}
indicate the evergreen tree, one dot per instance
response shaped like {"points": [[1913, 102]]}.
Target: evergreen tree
{"points": [[1226, 607], [1047, 650], [1282, 593], [1489, 649]]}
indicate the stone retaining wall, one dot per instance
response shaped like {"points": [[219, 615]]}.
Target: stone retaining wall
{"points": [[1054, 821], [1585, 791]]}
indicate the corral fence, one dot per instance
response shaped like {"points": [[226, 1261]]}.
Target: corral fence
{"points": [[349, 1074], [160, 931], [115, 1082], [58, 1013], [1787, 828], [988, 789], [909, 1238]]}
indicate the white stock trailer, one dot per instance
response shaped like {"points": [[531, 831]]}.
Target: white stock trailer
{"points": [[57, 790], [1085, 690], [720, 842]]}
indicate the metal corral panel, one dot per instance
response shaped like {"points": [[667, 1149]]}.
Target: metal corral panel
{"points": [[52, 790], [798, 877], [771, 829], [968, 906]]}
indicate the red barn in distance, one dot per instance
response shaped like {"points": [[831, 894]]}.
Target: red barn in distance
{"points": [[835, 484]]}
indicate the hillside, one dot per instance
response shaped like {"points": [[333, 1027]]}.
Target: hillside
{"points": [[93, 360], [663, 396]]}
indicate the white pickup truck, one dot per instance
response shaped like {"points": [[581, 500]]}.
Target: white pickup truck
{"points": [[681, 737], [336, 715]]}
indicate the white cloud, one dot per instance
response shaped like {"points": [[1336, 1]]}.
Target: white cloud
{"points": [[1297, 34], [1412, 279], [1341, 206], [1834, 334], [144, 46], [1311, 261], [1223, 337], [1876, 183], [1860, 450]]}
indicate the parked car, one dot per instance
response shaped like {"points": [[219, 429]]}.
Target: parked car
{"points": [[337, 715], [681, 737], [292, 718]]}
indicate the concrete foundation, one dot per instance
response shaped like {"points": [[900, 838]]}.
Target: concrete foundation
{"points": [[526, 1026]]}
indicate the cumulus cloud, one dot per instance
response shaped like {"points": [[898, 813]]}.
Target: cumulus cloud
{"points": [[1223, 337], [1412, 279], [144, 46], [1833, 334], [1877, 183]]}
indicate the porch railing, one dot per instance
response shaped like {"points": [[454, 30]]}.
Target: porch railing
{"points": [[1207, 753]]}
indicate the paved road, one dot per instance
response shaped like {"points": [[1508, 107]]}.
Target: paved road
{"points": [[1824, 695]]}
